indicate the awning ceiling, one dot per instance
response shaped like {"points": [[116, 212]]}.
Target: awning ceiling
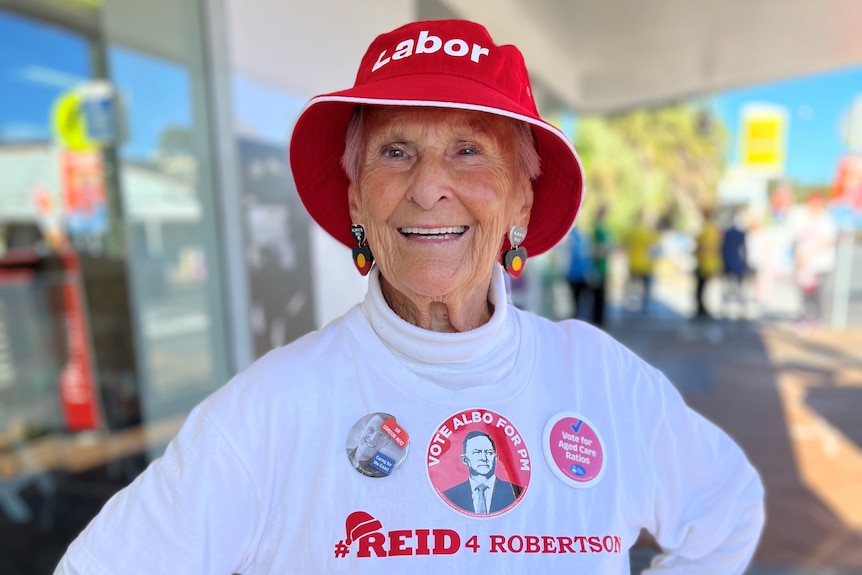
{"points": [[611, 55]]}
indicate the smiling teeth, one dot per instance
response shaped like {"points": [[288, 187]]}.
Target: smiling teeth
{"points": [[434, 231]]}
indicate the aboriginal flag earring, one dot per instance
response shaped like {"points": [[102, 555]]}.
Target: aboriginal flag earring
{"points": [[361, 252], [515, 257]]}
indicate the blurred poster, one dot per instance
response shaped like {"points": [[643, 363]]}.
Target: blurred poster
{"points": [[846, 196], [848, 184], [276, 233], [84, 192]]}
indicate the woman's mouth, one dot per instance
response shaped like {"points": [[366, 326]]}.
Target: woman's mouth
{"points": [[443, 233]]}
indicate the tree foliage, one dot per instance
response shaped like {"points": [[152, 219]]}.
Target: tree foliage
{"points": [[666, 161]]}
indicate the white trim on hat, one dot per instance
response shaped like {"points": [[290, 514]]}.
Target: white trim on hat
{"points": [[459, 106]]}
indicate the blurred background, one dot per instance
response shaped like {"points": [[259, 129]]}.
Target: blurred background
{"points": [[152, 243]]}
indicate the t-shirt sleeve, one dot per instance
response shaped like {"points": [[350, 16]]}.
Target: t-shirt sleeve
{"points": [[175, 517], [707, 508]]}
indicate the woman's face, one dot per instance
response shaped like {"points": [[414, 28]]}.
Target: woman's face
{"points": [[437, 192]]}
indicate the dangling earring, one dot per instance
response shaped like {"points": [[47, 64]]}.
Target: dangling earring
{"points": [[515, 258], [361, 252]]}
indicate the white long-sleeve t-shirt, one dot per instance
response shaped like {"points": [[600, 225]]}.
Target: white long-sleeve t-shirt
{"points": [[258, 480]]}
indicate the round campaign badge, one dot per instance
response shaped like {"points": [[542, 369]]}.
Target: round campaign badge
{"points": [[574, 450], [478, 463], [377, 444]]}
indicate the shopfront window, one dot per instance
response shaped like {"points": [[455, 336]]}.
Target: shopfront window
{"points": [[111, 307]]}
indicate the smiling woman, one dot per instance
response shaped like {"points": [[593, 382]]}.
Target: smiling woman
{"points": [[428, 168], [437, 190]]}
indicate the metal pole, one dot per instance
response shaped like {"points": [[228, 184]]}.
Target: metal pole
{"points": [[843, 269]]}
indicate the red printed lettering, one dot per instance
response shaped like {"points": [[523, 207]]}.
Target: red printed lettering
{"points": [[446, 542], [581, 539], [422, 541], [398, 543], [548, 544], [551, 544], [565, 544], [372, 541]]}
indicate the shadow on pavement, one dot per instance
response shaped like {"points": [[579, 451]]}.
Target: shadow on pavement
{"points": [[725, 371]]}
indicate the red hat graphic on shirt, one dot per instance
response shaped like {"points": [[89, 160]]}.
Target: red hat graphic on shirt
{"points": [[359, 524]]}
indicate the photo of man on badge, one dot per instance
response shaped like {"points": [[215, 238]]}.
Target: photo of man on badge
{"points": [[370, 442], [483, 493]]}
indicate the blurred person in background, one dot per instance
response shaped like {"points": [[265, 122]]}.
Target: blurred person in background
{"points": [[581, 273], [708, 258], [769, 257], [432, 167], [602, 246], [642, 247], [734, 260], [815, 237]]}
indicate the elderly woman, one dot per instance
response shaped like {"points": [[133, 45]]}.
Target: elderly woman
{"points": [[436, 169]]}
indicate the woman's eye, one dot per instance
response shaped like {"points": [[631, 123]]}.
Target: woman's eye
{"points": [[469, 151], [393, 153]]}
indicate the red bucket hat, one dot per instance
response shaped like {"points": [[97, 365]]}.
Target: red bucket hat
{"points": [[446, 64]]}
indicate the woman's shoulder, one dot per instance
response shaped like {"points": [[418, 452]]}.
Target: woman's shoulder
{"points": [[563, 337], [566, 329], [584, 342], [294, 370], [297, 366], [306, 353]]}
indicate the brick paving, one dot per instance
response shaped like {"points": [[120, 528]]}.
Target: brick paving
{"points": [[792, 398]]}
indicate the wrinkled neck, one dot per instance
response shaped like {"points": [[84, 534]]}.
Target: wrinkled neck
{"points": [[449, 314]]}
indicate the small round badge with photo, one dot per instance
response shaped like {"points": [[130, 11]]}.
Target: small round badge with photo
{"points": [[376, 445]]}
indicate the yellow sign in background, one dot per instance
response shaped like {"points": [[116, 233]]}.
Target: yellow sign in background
{"points": [[69, 123], [764, 138]]}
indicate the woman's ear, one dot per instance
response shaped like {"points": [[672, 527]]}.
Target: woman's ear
{"points": [[353, 202], [526, 206]]}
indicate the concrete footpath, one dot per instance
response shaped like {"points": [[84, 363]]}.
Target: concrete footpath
{"points": [[791, 396]]}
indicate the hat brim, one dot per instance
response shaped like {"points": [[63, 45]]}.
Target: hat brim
{"points": [[317, 145]]}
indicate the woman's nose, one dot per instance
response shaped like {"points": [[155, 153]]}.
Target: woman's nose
{"points": [[431, 182]]}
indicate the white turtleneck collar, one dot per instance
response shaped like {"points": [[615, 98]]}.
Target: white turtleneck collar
{"points": [[451, 360]]}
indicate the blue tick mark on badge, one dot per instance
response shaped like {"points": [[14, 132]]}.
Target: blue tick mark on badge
{"points": [[574, 450]]}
